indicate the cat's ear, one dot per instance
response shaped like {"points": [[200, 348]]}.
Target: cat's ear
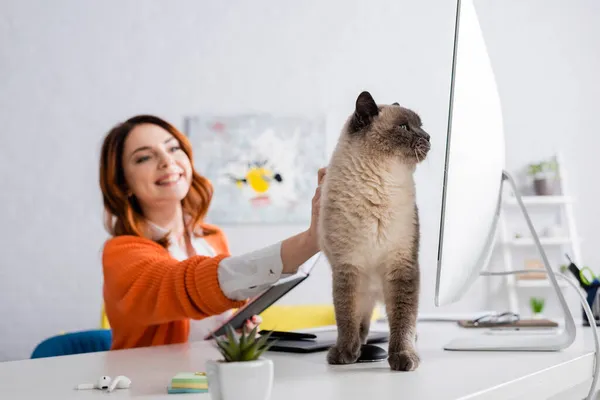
{"points": [[366, 110], [366, 106]]}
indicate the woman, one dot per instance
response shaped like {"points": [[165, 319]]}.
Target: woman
{"points": [[163, 265]]}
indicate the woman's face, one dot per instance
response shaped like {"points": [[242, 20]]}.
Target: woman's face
{"points": [[157, 170]]}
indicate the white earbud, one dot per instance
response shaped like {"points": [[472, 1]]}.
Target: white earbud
{"points": [[103, 382], [120, 382]]}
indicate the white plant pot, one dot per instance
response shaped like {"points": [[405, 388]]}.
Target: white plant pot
{"points": [[246, 380]]}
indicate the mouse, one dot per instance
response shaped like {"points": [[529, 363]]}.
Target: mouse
{"points": [[371, 353]]}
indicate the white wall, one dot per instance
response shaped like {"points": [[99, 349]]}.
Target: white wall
{"points": [[71, 69]]}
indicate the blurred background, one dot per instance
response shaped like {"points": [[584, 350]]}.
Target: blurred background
{"points": [[70, 70]]}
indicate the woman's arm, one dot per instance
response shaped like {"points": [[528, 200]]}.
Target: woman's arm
{"points": [[247, 275], [143, 282], [296, 250]]}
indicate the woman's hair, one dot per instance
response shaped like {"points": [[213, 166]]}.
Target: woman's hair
{"points": [[123, 214]]}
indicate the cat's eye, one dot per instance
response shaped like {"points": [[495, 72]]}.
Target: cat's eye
{"points": [[404, 126]]}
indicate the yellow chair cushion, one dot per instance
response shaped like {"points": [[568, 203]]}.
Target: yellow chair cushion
{"points": [[294, 317], [104, 324]]}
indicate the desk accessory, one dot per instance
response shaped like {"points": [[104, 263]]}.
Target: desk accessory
{"points": [[521, 323], [120, 382], [106, 383], [288, 335], [588, 281], [242, 373], [496, 319], [574, 269], [322, 340], [371, 353], [188, 382], [506, 319]]}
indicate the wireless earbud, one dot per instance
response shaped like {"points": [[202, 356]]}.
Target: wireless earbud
{"points": [[120, 382], [105, 383]]}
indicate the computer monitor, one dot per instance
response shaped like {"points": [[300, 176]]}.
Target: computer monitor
{"points": [[473, 180]]}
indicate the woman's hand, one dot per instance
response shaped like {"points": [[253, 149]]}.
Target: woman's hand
{"points": [[313, 230], [297, 249], [252, 323]]}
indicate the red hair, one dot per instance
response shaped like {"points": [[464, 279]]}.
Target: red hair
{"points": [[123, 214]]}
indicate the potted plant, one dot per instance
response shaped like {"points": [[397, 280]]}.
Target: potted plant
{"points": [[242, 373], [542, 174], [537, 306]]}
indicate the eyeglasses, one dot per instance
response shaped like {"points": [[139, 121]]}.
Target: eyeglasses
{"points": [[497, 319]]}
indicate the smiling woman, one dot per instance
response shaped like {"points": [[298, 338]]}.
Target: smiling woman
{"points": [[164, 266]]}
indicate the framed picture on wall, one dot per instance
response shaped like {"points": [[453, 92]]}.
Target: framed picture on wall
{"points": [[263, 167]]}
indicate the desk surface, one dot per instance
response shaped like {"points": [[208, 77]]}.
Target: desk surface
{"points": [[441, 375]]}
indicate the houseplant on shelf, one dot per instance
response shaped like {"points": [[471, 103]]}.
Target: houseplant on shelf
{"points": [[544, 177], [242, 373], [537, 306]]}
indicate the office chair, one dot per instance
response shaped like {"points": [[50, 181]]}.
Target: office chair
{"points": [[74, 343]]}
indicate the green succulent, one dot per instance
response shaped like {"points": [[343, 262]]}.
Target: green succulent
{"points": [[537, 304], [248, 347]]}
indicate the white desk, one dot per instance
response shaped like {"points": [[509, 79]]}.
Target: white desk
{"points": [[442, 374]]}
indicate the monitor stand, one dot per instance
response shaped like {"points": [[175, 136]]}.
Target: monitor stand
{"points": [[554, 340]]}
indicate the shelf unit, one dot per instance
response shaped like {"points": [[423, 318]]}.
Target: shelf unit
{"points": [[568, 241]]}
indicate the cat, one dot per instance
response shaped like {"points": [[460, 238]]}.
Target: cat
{"points": [[369, 228]]}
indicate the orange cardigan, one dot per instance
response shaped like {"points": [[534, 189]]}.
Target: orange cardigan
{"points": [[149, 296]]}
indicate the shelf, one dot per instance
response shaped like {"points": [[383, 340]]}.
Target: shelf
{"points": [[538, 283], [548, 241], [539, 200]]}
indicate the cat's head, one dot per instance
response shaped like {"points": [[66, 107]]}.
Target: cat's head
{"points": [[389, 130]]}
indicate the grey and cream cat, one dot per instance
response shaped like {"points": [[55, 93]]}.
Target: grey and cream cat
{"points": [[369, 228]]}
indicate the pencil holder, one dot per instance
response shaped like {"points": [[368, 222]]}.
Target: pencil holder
{"points": [[593, 299]]}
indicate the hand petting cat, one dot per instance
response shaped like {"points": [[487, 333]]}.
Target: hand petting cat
{"points": [[296, 250], [313, 230]]}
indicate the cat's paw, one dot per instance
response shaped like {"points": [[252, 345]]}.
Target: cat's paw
{"points": [[406, 360], [343, 355]]}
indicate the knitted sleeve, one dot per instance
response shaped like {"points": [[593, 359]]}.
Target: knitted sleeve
{"points": [[145, 283]]}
